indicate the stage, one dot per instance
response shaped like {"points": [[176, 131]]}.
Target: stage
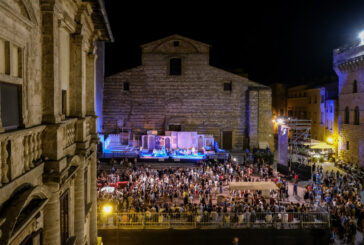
{"points": [[172, 147]]}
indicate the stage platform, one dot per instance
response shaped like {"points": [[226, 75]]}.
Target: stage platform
{"points": [[131, 157], [172, 147]]}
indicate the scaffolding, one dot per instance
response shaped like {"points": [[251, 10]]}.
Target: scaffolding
{"points": [[300, 134]]}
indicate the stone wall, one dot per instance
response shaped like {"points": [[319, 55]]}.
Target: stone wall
{"points": [[349, 66], [196, 99], [47, 53]]}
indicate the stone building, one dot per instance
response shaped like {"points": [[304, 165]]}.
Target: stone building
{"points": [[319, 104], [176, 89], [279, 99], [48, 122], [349, 66], [279, 103]]}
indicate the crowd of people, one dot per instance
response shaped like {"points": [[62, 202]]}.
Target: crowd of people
{"points": [[203, 190], [340, 195]]}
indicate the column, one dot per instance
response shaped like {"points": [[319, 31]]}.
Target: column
{"points": [[90, 84], [51, 233], [79, 206], [50, 70], [78, 77], [93, 199]]}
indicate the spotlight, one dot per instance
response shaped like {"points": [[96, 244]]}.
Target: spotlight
{"points": [[280, 120], [361, 37], [330, 140]]}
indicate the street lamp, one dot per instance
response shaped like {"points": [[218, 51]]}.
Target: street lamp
{"points": [[107, 209], [330, 140]]}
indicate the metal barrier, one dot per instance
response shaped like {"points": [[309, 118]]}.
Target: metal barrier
{"points": [[213, 220]]}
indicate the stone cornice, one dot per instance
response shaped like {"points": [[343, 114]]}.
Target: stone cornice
{"points": [[67, 22], [15, 16], [351, 64]]}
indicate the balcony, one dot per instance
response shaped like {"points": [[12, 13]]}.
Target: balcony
{"points": [[20, 151]]}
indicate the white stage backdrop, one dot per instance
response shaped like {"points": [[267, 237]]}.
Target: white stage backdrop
{"points": [[187, 139]]}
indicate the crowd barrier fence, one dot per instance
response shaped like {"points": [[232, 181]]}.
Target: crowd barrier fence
{"points": [[213, 220]]}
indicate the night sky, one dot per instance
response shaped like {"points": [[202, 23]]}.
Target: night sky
{"points": [[288, 42]]}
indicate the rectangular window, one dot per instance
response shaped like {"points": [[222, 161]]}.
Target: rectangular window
{"points": [[228, 86], [85, 187], [64, 222], [177, 128], [126, 86], [322, 118], [64, 102], [281, 112], [10, 106], [322, 99], [176, 43], [175, 67], [20, 62], [347, 145], [7, 58]]}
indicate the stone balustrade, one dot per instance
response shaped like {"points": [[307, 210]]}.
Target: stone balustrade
{"points": [[19, 151], [91, 125], [69, 133], [88, 125]]}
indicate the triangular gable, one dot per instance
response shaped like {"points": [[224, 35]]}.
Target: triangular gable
{"points": [[175, 36]]}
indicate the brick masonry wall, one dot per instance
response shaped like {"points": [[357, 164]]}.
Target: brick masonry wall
{"points": [[196, 100]]}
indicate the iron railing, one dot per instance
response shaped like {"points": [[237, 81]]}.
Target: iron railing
{"points": [[213, 220]]}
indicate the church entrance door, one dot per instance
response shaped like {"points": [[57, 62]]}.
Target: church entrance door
{"points": [[227, 140]]}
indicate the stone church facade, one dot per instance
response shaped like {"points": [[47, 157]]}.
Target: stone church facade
{"points": [[48, 132], [175, 89], [349, 66]]}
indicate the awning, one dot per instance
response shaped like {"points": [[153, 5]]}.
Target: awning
{"points": [[316, 144], [322, 145]]}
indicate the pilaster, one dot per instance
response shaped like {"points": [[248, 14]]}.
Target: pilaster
{"points": [[51, 233], [79, 207], [78, 77], [51, 89]]}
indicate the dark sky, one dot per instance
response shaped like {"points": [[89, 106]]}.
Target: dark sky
{"points": [[283, 41]]}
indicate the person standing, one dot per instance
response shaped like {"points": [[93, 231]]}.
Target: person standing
{"points": [[295, 189]]}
